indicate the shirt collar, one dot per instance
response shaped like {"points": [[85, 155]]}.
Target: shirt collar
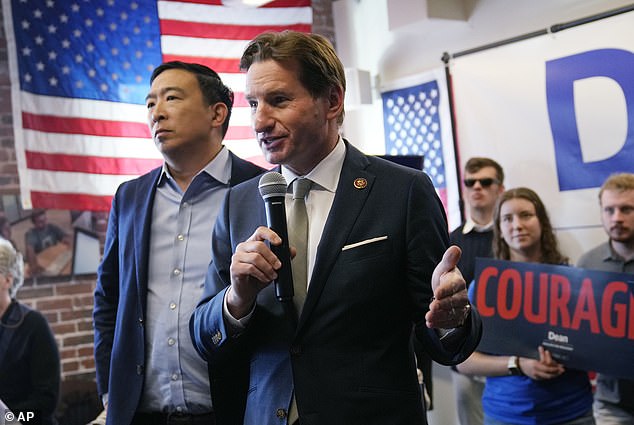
{"points": [[219, 168], [609, 254], [471, 225], [326, 173]]}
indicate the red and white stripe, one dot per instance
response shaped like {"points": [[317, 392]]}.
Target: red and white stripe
{"points": [[73, 154]]}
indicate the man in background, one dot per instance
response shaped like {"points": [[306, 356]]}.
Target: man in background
{"points": [[156, 254], [614, 397], [484, 183], [41, 236]]}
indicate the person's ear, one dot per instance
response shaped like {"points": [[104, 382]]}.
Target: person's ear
{"points": [[218, 114], [335, 101], [6, 281]]}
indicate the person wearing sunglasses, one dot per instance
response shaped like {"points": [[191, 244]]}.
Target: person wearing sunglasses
{"points": [[484, 183]]}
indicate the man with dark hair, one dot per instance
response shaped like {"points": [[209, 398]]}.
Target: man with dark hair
{"points": [[483, 184], [41, 236], [370, 266], [614, 397], [156, 255]]}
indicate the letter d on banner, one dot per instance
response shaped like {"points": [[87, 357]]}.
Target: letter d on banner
{"points": [[561, 74]]}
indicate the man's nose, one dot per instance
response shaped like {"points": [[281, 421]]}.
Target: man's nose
{"points": [[262, 121], [156, 113]]}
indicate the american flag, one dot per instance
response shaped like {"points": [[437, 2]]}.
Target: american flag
{"points": [[416, 122], [80, 72]]}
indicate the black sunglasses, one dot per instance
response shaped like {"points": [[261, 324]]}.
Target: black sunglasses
{"points": [[486, 182]]}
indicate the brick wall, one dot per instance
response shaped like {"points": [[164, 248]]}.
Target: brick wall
{"points": [[323, 22], [68, 307], [67, 303]]}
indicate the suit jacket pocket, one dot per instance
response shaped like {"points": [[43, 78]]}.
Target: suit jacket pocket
{"points": [[364, 249]]}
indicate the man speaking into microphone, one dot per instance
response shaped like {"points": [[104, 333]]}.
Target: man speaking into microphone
{"points": [[368, 239]]}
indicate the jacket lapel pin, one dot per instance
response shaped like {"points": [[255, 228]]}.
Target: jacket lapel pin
{"points": [[360, 183]]}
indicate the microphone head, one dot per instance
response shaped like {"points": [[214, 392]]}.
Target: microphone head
{"points": [[272, 184]]}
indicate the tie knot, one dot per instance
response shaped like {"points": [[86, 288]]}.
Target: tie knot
{"points": [[301, 187]]}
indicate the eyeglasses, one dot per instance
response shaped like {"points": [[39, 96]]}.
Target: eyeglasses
{"points": [[486, 182]]}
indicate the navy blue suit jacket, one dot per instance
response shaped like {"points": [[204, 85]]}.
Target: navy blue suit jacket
{"points": [[350, 356], [121, 293]]}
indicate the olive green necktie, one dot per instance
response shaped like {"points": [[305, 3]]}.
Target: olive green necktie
{"points": [[298, 237]]}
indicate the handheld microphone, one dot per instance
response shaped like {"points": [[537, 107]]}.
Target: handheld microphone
{"points": [[272, 188]]}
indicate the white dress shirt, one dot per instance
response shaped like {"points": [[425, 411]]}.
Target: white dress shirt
{"points": [[325, 178]]}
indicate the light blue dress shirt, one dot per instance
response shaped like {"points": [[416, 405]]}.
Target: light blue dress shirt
{"points": [[176, 378]]}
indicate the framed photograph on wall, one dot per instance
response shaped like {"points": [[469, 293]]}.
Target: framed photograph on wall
{"points": [[54, 243]]}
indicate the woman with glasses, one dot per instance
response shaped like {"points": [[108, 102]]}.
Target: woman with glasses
{"points": [[522, 390], [29, 359]]}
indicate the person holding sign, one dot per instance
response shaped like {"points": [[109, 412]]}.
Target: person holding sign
{"points": [[522, 390], [614, 397]]}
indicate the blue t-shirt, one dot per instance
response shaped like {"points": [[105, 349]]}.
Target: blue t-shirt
{"points": [[523, 401]]}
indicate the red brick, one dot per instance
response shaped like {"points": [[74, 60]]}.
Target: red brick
{"points": [[83, 301], [76, 314], [53, 304], [27, 292], [10, 168], [83, 279], [88, 363], [86, 352], [51, 316], [70, 341], [70, 366], [64, 328], [68, 353], [74, 288]]}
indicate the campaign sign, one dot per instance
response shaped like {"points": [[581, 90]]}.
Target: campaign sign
{"points": [[585, 318]]}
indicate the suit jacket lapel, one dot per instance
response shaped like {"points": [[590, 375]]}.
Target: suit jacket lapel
{"points": [[144, 199], [346, 207]]}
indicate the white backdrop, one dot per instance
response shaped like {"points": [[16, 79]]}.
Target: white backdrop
{"points": [[502, 111]]}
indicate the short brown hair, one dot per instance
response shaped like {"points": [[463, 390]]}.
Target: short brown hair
{"points": [[319, 66], [619, 182], [476, 163]]}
